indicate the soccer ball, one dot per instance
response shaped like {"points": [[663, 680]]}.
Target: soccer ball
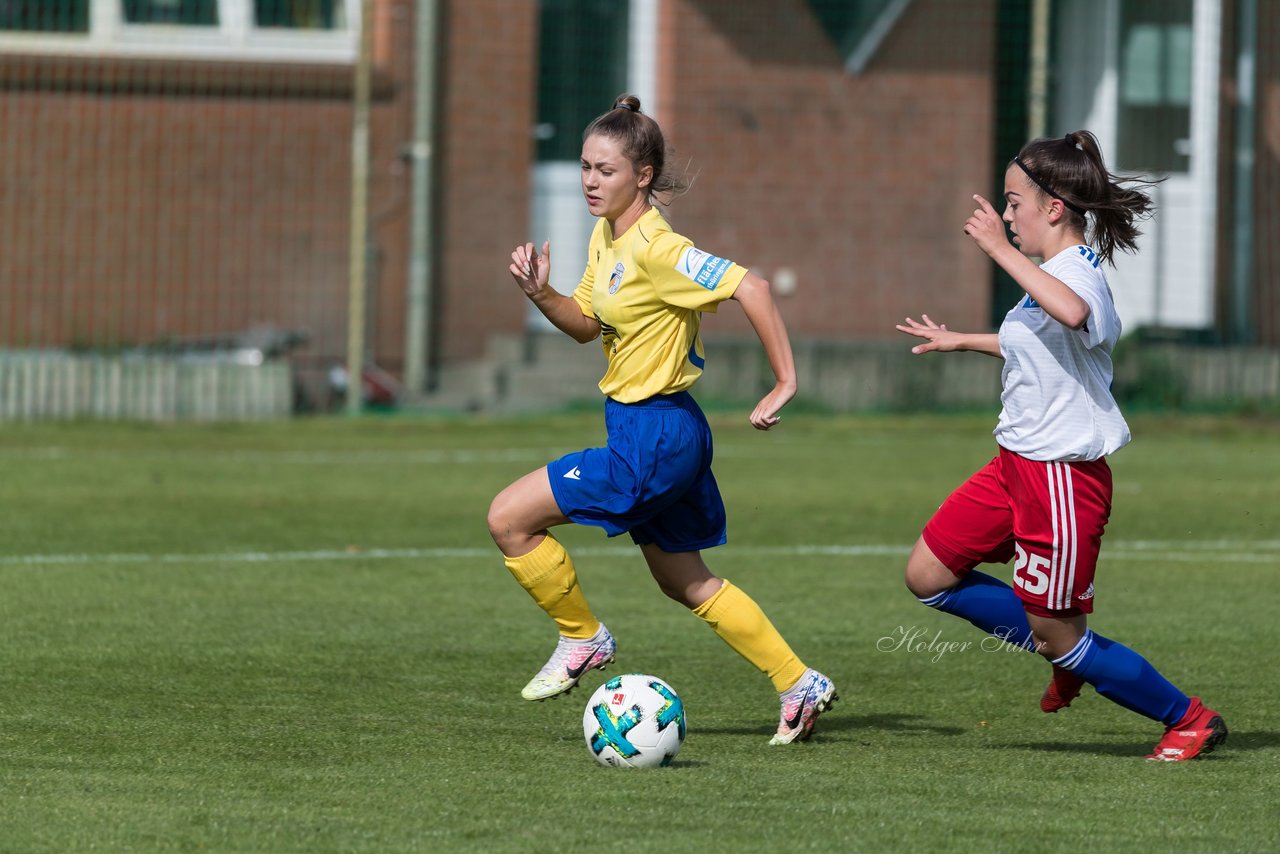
{"points": [[634, 721]]}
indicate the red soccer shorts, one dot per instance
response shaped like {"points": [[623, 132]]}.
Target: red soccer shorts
{"points": [[1049, 516]]}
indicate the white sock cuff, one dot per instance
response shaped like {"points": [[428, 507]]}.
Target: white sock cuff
{"points": [[936, 600], [1071, 659]]}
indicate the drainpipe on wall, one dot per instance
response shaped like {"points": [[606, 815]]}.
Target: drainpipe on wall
{"points": [[418, 318], [359, 213], [1038, 73], [1241, 329]]}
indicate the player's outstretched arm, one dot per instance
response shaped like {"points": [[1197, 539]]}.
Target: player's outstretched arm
{"points": [[532, 273], [756, 299], [938, 338], [1059, 301]]}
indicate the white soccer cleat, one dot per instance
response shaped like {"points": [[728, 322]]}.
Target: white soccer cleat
{"points": [[812, 695], [569, 663]]}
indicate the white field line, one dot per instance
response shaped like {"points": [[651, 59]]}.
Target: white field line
{"points": [[318, 458], [425, 456], [1194, 551]]}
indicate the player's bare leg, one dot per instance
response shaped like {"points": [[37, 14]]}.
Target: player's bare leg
{"points": [[1059, 634], [519, 521], [682, 576], [927, 576], [803, 692], [1056, 636], [521, 514], [994, 608]]}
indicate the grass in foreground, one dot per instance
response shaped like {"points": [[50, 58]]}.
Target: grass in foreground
{"points": [[297, 637]]}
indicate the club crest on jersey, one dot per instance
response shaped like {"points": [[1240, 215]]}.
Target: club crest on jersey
{"points": [[615, 281], [1030, 303], [702, 267]]}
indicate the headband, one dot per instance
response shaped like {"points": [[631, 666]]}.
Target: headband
{"points": [[1044, 185]]}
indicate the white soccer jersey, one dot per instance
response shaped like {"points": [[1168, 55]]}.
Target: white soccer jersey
{"points": [[1057, 402]]}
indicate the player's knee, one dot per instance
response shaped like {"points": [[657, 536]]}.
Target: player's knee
{"points": [[914, 584], [499, 519], [911, 577], [925, 575], [924, 579]]}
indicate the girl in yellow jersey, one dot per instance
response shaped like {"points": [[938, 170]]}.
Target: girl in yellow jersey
{"points": [[644, 290]]}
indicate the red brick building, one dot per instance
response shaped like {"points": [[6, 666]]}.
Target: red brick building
{"points": [[168, 180]]}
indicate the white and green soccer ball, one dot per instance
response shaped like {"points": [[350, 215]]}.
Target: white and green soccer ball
{"points": [[634, 721]]}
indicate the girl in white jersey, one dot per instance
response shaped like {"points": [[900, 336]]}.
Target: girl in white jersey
{"points": [[643, 291], [1046, 497]]}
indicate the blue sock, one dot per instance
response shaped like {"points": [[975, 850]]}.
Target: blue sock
{"points": [[989, 604], [1122, 676]]}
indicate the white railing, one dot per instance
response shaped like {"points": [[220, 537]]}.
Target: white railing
{"points": [[48, 385]]}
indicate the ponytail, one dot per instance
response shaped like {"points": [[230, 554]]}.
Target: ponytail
{"points": [[1071, 168]]}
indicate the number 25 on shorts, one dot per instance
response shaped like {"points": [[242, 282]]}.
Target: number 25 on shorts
{"points": [[1028, 571]]}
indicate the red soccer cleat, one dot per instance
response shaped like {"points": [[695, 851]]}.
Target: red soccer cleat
{"points": [[1064, 688], [1200, 731]]}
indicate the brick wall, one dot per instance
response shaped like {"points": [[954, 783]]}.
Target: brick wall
{"points": [[145, 200], [486, 154], [133, 217], [859, 184], [152, 200], [155, 200]]}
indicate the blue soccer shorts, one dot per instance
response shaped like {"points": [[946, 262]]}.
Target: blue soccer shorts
{"points": [[652, 479]]}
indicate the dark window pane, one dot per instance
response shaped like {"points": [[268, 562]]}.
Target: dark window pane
{"points": [[197, 13], [582, 68], [45, 16], [298, 14], [1155, 86], [1013, 86]]}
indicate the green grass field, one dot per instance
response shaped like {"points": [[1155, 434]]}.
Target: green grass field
{"points": [[298, 637]]}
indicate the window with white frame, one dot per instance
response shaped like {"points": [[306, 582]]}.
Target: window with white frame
{"points": [[253, 30]]}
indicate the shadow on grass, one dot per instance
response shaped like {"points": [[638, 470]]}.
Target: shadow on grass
{"points": [[680, 764], [834, 721], [1236, 742], [1093, 748], [1250, 740], [889, 722]]}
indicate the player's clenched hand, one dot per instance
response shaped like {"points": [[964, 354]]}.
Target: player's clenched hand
{"points": [[531, 270], [986, 227], [937, 336], [765, 415]]}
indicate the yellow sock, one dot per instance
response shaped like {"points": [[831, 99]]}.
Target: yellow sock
{"points": [[740, 623], [547, 573]]}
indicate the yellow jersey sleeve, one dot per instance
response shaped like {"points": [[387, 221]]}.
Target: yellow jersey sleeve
{"points": [[688, 277], [648, 289]]}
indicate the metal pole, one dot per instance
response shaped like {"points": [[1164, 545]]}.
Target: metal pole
{"points": [[1240, 327], [359, 213], [418, 320], [1038, 84]]}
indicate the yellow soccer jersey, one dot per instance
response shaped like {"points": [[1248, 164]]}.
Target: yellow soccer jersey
{"points": [[648, 288]]}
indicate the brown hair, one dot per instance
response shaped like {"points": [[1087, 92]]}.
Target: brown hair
{"points": [[1071, 168], [641, 140]]}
